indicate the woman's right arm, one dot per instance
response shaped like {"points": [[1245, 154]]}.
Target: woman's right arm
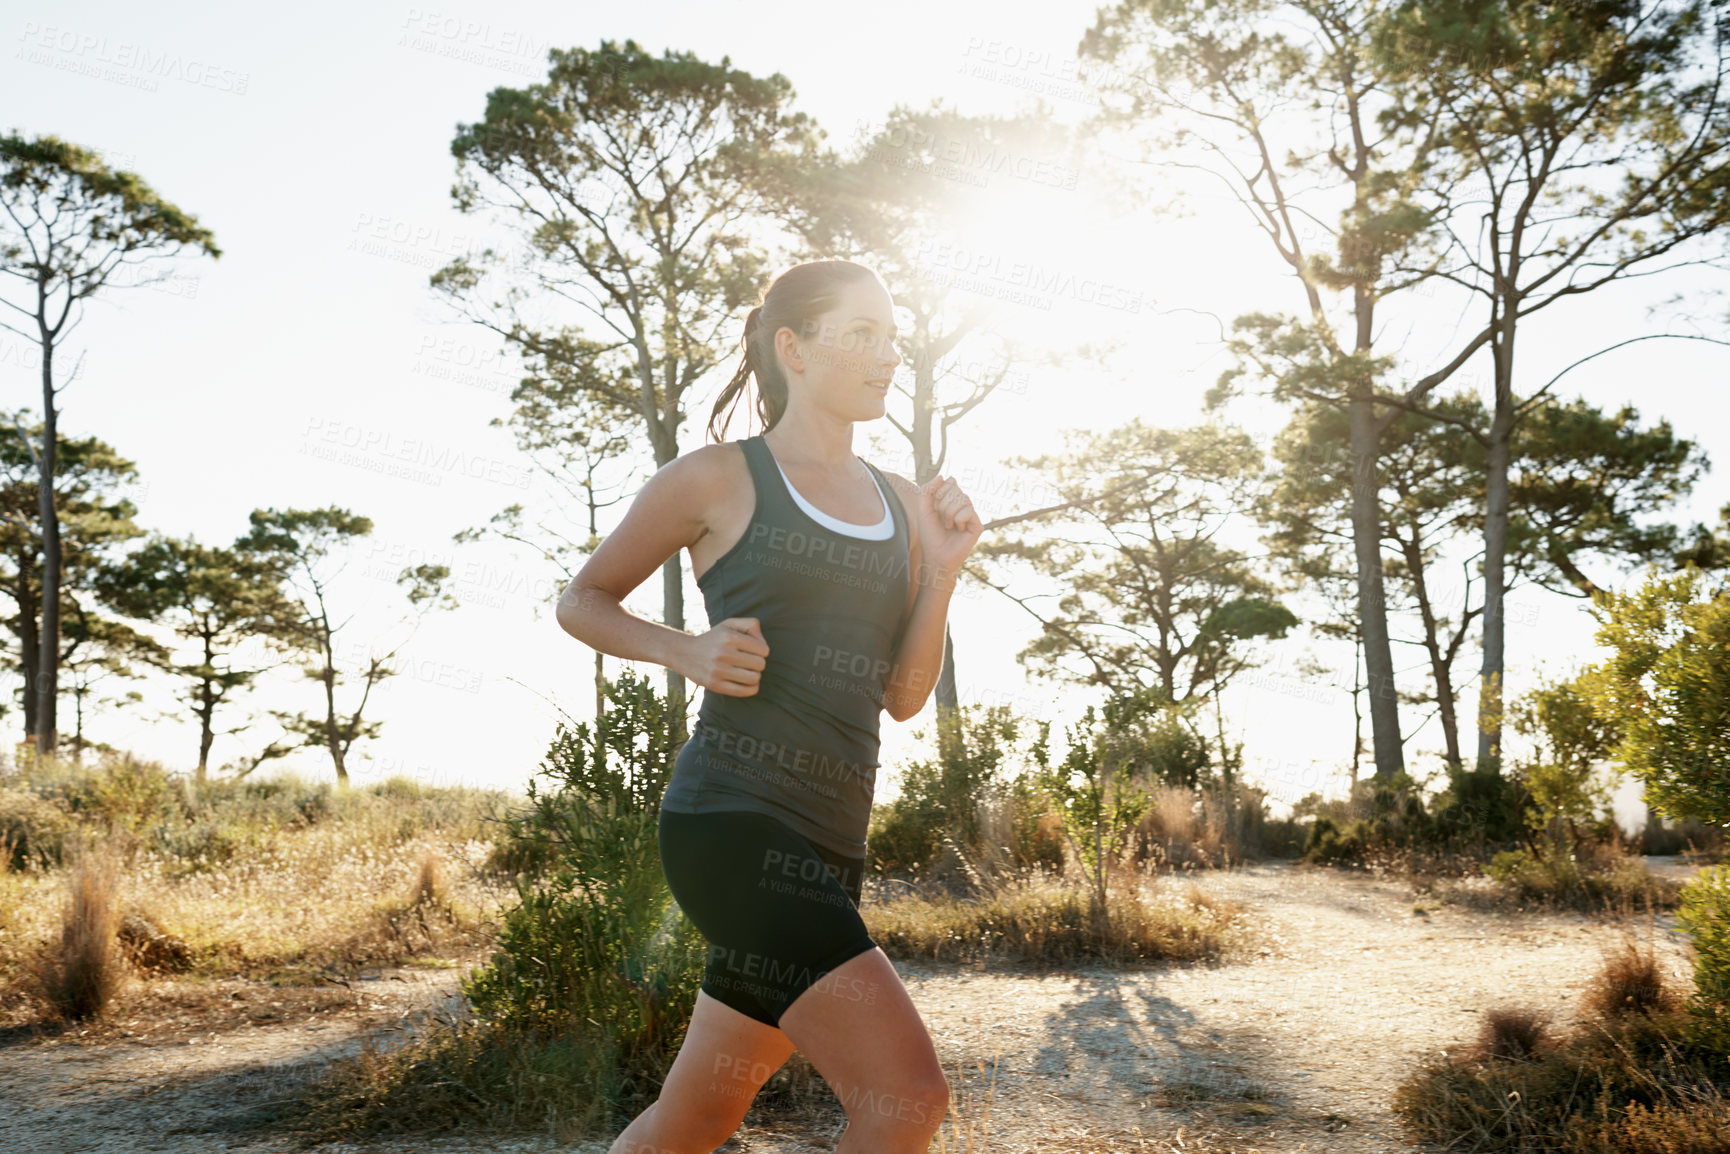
{"points": [[667, 514]]}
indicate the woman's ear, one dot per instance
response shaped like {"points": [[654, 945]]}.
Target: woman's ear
{"points": [[787, 345]]}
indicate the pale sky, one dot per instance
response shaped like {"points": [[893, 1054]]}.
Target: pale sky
{"points": [[312, 364]]}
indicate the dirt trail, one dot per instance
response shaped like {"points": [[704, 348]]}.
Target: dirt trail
{"points": [[1296, 1048]]}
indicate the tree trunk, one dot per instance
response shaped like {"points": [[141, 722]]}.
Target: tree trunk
{"points": [[28, 652], [1440, 667], [600, 658], [1372, 604], [206, 739], [1495, 554], [945, 691], [332, 740], [673, 616], [48, 663], [1357, 706], [206, 712], [664, 441]]}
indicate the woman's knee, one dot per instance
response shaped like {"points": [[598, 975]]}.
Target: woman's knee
{"points": [[912, 1099]]}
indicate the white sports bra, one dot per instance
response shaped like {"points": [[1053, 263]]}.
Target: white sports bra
{"points": [[881, 531]]}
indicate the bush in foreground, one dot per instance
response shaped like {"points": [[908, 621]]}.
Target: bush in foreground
{"points": [[582, 1007], [1643, 1074], [1634, 1084]]}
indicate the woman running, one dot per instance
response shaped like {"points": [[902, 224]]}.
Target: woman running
{"points": [[827, 583]]}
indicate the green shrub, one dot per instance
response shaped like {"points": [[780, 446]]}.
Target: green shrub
{"points": [[1037, 832], [1705, 914], [1627, 1083], [119, 791], [943, 796], [403, 786], [581, 1009], [1328, 844], [292, 799], [1605, 877], [1479, 809], [1508, 865], [600, 952], [199, 845], [1687, 835], [33, 829], [445, 1079], [1099, 787], [597, 936]]}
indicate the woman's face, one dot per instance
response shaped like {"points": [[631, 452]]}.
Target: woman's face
{"points": [[850, 358]]}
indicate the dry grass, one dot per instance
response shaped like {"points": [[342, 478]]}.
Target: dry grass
{"points": [[1630, 982], [966, 1127], [1188, 828], [306, 885], [1640, 1076], [977, 906], [1038, 919], [1605, 879], [322, 900], [427, 917], [1512, 1034], [79, 973], [462, 1076]]}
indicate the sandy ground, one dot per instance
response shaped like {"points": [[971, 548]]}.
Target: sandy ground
{"points": [[1294, 1046]]}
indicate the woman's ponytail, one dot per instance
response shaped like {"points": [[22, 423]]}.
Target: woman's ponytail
{"points": [[795, 300], [747, 367]]}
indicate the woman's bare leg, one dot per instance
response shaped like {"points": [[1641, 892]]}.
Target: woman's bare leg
{"points": [[724, 1060], [861, 1031]]}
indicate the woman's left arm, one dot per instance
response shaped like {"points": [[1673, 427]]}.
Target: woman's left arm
{"points": [[943, 530]]}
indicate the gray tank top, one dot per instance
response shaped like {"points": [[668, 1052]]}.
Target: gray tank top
{"points": [[804, 747]]}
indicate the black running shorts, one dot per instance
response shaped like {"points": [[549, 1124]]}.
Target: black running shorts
{"points": [[778, 911]]}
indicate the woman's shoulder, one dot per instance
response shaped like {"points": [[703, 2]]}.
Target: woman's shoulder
{"points": [[701, 480], [710, 463]]}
